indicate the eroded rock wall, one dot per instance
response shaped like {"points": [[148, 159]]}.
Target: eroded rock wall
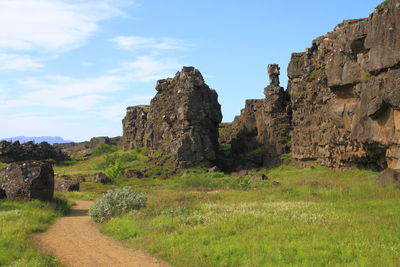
{"points": [[345, 93], [182, 120], [262, 130]]}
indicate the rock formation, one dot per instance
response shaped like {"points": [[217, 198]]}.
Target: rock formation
{"points": [[262, 130], [27, 180], [66, 185], [181, 121], [11, 152], [345, 93], [134, 126], [85, 149]]}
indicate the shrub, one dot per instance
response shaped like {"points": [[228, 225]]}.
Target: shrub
{"points": [[114, 170], [111, 159], [103, 148], [116, 202]]}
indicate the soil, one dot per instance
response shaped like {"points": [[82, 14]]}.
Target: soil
{"points": [[75, 240]]}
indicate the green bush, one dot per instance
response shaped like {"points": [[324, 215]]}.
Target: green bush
{"points": [[111, 159], [103, 148], [114, 170], [116, 202]]}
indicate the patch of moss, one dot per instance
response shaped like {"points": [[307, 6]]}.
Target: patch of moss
{"points": [[298, 59], [384, 5], [315, 74], [368, 78]]}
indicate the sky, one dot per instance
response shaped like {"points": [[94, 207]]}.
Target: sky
{"points": [[71, 67]]}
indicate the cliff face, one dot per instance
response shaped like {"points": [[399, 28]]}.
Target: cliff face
{"points": [[181, 121], [345, 93], [263, 127]]}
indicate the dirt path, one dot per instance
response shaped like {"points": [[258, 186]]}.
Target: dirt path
{"points": [[76, 241]]}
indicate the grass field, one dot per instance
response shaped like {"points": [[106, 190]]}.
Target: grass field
{"points": [[311, 217], [18, 221], [316, 217]]}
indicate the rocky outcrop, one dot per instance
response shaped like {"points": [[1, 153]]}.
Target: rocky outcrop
{"points": [[181, 121], [101, 178], [262, 131], [85, 149], [134, 126], [27, 180], [345, 93], [66, 185], [11, 152]]}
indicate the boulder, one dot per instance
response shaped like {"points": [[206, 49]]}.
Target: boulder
{"points": [[80, 179], [258, 178], [276, 184], [27, 180], [239, 173], [390, 178], [63, 185], [214, 169], [134, 174], [101, 178]]}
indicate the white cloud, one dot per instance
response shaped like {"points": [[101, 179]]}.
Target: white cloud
{"points": [[65, 92], [147, 68], [52, 25], [17, 62], [138, 42]]}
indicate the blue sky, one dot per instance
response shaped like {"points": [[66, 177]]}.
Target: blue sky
{"points": [[71, 67]]}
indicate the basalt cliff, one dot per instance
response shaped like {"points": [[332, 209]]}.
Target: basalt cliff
{"points": [[345, 94], [341, 107], [181, 122]]}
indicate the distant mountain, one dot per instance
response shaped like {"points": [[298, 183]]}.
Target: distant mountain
{"points": [[38, 139]]}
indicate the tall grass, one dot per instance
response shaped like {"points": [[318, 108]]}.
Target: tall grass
{"points": [[317, 217], [18, 220]]}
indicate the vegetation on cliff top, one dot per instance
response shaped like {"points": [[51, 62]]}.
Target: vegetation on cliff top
{"points": [[384, 5]]}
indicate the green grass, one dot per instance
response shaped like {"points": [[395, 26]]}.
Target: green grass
{"points": [[315, 74], [384, 5], [368, 78], [3, 164], [18, 221], [316, 217]]}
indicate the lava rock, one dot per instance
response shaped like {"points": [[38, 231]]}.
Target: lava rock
{"points": [[80, 179], [182, 121], [69, 185], [345, 95], [27, 180], [14, 151], [214, 169], [134, 174], [101, 178], [390, 177], [258, 178]]}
